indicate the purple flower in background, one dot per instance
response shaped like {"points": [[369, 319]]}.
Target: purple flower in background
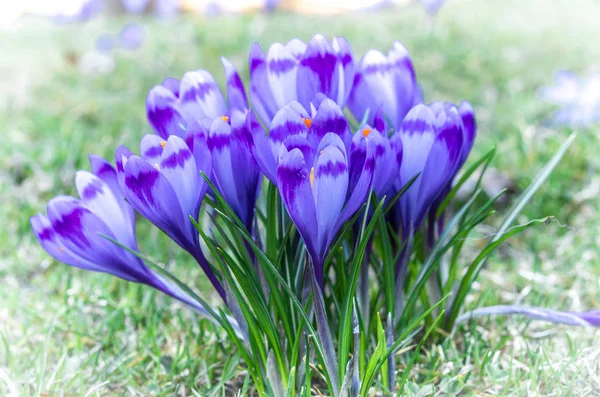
{"points": [[135, 6], [579, 100], [171, 107], [73, 231], [105, 43], [293, 120], [131, 36], [166, 8], [271, 5], [299, 71], [164, 184], [88, 10], [386, 87], [321, 190], [432, 141], [432, 6]]}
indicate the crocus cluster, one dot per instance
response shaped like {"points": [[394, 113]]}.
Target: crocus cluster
{"points": [[297, 132]]}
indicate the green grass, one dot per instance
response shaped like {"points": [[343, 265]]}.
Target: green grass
{"points": [[66, 330]]}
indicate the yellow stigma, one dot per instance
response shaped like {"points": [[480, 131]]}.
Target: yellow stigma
{"points": [[312, 177], [307, 122], [162, 144], [366, 132], [225, 118]]}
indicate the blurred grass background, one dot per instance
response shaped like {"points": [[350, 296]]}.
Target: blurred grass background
{"points": [[66, 330]]}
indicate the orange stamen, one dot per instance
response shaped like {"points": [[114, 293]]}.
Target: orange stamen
{"points": [[307, 122], [312, 177], [162, 144], [366, 132], [225, 118]]}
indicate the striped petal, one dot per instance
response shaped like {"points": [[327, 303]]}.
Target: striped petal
{"points": [[220, 142], [197, 141], [386, 160], [247, 172], [418, 136], [373, 88], [178, 165], [281, 74], [164, 113], [301, 143], [467, 115], [81, 232], [379, 121], [260, 91], [52, 243], [151, 148], [298, 108], [200, 96], [332, 139], [100, 199], [151, 194], [319, 71], [296, 47], [438, 169], [286, 122], [345, 57], [330, 118], [263, 149], [236, 94], [105, 171], [293, 179], [361, 185], [330, 186], [407, 92]]}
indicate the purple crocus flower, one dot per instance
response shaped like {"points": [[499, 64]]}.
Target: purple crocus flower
{"points": [[299, 71], [73, 230], [164, 184], [432, 140], [293, 120], [173, 106], [386, 87], [316, 188]]}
